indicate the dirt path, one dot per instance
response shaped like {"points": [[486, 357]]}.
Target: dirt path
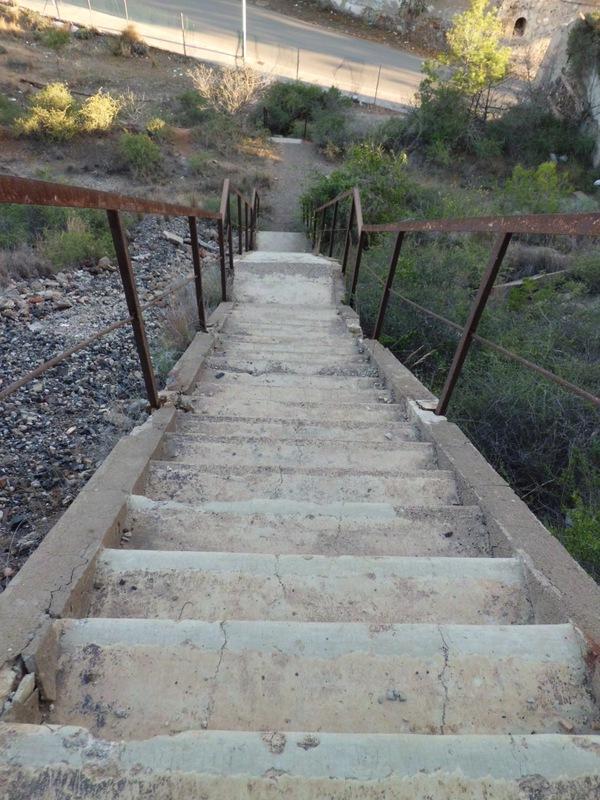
{"points": [[294, 168]]}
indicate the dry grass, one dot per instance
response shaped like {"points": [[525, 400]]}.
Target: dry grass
{"points": [[227, 89], [22, 263]]}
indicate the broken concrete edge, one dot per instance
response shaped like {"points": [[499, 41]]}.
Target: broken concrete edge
{"points": [[184, 373], [560, 590], [55, 579]]}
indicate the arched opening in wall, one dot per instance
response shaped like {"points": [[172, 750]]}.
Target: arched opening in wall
{"points": [[520, 27]]}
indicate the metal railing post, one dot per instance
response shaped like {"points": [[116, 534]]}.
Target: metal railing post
{"points": [[361, 244], [388, 286], [239, 225], [230, 233], [197, 272], [477, 309], [221, 230], [314, 229], [133, 305], [246, 239], [321, 229], [333, 224], [348, 238]]}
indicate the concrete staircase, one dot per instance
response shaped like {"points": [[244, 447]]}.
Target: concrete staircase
{"points": [[302, 606]]}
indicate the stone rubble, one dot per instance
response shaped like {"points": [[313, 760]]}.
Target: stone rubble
{"points": [[55, 431]]}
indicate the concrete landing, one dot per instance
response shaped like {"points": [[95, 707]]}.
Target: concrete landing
{"points": [[279, 241]]}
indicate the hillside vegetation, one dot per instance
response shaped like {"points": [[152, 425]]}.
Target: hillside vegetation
{"points": [[454, 156]]}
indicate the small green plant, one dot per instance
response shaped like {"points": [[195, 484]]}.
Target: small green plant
{"points": [[140, 154], [536, 191], [581, 536], [584, 45], [586, 268], [9, 110], [55, 38], [198, 163]]}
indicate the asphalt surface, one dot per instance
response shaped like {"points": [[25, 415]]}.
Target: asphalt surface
{"points": [[278, 45]]}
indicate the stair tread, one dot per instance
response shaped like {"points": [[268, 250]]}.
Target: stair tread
{"points": [[343, 761]]}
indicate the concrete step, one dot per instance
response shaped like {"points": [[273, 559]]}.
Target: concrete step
{"points": [[159, 584], [332, 383], [297, 258], [281, 241], [339, 677], [172, 480], [198, 450], [276, 526], [243, 407], [309, 339], [290, 358], [298, 394], [359, 368], [292, 311], [295, 430], [41, 762], [305, 284], [286, 329], [251, 349]]}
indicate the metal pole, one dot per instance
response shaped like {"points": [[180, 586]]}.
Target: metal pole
{"points": [[388, 286], [57, 9], [246, 238], [477, 309], [183, 35], [126, 10], [244, 30], [133, 305], [89, 3], [221, 230], [377, 86], [322, 229], [298, 63], [230, 233], [333, 224], [348, 237], [239, 225], [197, 272], [361, 242]]}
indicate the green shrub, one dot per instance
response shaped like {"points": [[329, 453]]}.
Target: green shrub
{"points": [[193, 107], [584, 44], [54, 114], [286, 103], [72, 248], [581, 536], [218, 131], [99, 112], [156, 127], [537, 191], [140, 154], [198, 163], [586, 268], [55, 38], [529, 133]]}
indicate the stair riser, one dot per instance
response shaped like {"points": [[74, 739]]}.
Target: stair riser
{"points": [[243, 408], [249, 676], [197, 425], [256, 367], [346, 589], [451, 531], [331, 383], [296, 394]]}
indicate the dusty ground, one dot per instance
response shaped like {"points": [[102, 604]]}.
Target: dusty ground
{"points": [[152, 84], [293, 170]]}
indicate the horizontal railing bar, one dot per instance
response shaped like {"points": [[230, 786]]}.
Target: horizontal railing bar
{"points": [[546, 224], [65, 354], [60, 357], [341, 196], [24, 191], [551, 376]]}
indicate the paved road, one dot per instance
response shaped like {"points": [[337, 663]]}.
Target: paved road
{"points": [[279, 45]]}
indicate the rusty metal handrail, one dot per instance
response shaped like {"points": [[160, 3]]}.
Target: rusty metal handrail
{"points": [[503, 226], [23, 191]]}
